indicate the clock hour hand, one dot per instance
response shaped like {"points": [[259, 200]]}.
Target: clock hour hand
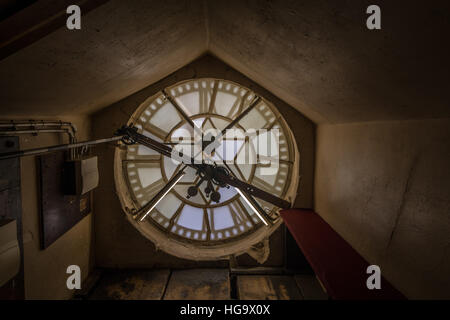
{"points": [[131, 135], [252, 190]]}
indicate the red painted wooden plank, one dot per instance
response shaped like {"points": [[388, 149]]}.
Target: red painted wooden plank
{"points": [[339, 267]]}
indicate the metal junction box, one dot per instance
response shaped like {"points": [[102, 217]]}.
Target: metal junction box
{"points": [[80, 176]]}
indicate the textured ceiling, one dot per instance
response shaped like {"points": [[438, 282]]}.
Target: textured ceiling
{"points": [[316, 55], [122, 47], [320, 57]]}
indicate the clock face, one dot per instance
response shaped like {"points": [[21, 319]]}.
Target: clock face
{"points": [[197, 222]]}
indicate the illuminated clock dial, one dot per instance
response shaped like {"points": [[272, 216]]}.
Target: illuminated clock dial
{"points": [[209, 229]]}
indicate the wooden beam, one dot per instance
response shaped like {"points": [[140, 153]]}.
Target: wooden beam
{"points": [[37, 20]]}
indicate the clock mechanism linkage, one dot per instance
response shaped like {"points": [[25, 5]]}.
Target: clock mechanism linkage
{"points": [[209, 173], [212, 174]]}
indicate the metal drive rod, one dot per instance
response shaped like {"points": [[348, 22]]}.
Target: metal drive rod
{"points": [[39, 151], [41, 123], [38, 125], [10, 132]]}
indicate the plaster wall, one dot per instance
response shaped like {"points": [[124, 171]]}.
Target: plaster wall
{"points": [[45, 270], [384, 187]]}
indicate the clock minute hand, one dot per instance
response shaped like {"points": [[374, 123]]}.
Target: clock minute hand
{"points": [[130, 136]]}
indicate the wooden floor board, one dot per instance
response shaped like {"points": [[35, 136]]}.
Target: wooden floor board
{"points": [[198, 284], [203, 284], [131, 285], [267, 287]]}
